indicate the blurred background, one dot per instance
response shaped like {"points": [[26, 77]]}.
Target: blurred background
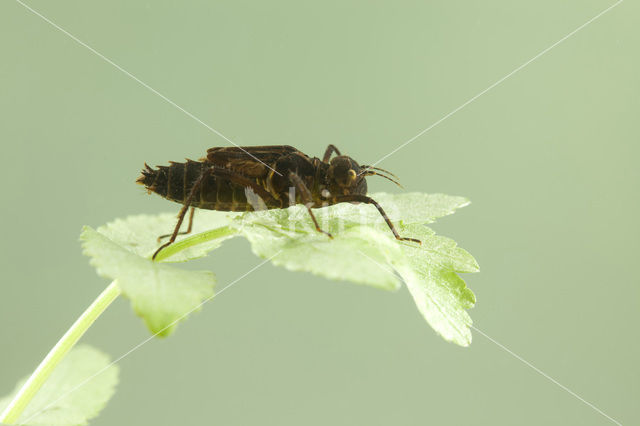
{"points": [[548, 158]]}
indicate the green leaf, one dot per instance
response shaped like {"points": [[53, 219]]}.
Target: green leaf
{"points": [[52, 406], [161, 294], [337, 258], [441, 296], [363, 250], [410, 207], [139, 234]]}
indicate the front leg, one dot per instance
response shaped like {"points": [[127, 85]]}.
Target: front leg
{"points": [[369, 200], [307, 199], [330, 150]]}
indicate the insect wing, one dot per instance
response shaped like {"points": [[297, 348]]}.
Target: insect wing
{"points": [[250, 161]]}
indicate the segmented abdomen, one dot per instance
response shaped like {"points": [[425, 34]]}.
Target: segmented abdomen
{"points": [[175, 182]]}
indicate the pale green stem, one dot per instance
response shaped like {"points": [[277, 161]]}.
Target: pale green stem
{"points": [[82, 324], [203, 237], [55, 355]]}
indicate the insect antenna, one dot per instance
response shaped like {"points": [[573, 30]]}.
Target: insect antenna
{"points": [[372, 173], [378, 169]]}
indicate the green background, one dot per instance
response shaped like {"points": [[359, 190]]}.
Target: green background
{"points": [[548, 157]]}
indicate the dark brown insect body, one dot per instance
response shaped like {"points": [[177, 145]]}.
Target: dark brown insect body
{"points": [[261, 177]]}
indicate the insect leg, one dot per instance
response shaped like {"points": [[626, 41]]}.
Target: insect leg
{"points": [[188, 231], [191, 213], [308, 200], [368, 200], [330, 150], [315, 222], [196, 186]]}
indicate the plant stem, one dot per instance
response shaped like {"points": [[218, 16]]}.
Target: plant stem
{"points": [[82, 324], [193, 240], [57, 353]]}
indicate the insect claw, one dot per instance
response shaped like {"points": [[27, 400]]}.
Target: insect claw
{"points": [[413, 240], [325, 233], [159, 250]]}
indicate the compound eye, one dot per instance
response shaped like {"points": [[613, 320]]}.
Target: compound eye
{"points": [[351, 175]]}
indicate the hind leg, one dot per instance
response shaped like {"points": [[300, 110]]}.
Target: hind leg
{"points": [[183, 211], [188, 231]]}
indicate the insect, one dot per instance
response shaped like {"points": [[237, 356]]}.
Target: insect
{"points": [[262, 177]]}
